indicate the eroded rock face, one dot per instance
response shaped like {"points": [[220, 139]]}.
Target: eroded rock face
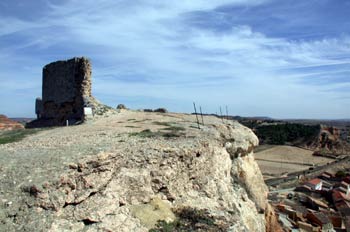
{"points": [[329, 140], [138, 178], [7, 124]]}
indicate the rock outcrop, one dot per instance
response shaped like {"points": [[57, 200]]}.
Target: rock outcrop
{"points": [[66, 91], [329, 141], [8, 124], [129, 171]]}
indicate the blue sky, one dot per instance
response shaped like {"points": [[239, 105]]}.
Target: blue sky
{"points": [[284, 59]]}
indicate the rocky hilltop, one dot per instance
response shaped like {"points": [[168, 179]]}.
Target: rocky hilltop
{"points": [[126, 172], [8, 124]]}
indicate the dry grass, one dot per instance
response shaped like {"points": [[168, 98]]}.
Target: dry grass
{"points": [[277, 160], [16, 135]]}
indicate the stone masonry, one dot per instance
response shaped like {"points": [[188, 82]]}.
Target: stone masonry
{"points": [[66, 95], [66, 91]]}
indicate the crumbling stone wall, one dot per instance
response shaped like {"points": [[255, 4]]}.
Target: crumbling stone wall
{"points": [[65, 85], [65, 91], [63, 81], [38, 107]]}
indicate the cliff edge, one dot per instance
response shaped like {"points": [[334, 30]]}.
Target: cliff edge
{"points": [[130, 171]]}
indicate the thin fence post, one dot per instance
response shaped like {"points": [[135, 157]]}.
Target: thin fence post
{"points": [[200, 109], [195, 111], [221, 115], [226, 113]]}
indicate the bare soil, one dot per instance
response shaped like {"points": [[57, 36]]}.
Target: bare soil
{"points": [[275, 161]]}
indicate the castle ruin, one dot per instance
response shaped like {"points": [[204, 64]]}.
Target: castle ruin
{"points": [[66, 91]]}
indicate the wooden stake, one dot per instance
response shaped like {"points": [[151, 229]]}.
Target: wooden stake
{"points": [[195, 111], [200, 108], [226, 113], [221, 115]]}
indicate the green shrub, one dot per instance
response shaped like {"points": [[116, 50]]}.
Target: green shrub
{"points": [[189, 219], [16, 135], [144, 134], [162, 123], [174, 128], [340, 174]]}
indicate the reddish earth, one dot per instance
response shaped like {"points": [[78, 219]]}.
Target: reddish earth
{"points": [[7, 124], [329, 140]]}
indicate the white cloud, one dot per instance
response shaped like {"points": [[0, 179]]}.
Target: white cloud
{"points": [[150, 39], [10, 25]]}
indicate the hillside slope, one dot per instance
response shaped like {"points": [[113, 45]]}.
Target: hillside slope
{"points": [[317, 137], [127, 171], [8, 124]]}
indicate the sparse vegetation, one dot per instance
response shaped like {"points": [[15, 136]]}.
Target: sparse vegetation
{"points": [[281, 134], [169, 131], [150, 134], [189, 219], [170, 126], [196, 126], [174, 128], [163, 123], [143, 120], [16, 135], [170, 134], [144, 134], [341, 174]]}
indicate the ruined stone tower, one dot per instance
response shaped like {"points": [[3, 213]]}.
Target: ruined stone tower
{"points": [[66, 95], [66, 90]]}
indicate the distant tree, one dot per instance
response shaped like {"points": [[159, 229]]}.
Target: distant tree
{"points": [[286, 133]]}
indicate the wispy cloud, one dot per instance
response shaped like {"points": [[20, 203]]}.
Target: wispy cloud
{"points": [[214, 52]]}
